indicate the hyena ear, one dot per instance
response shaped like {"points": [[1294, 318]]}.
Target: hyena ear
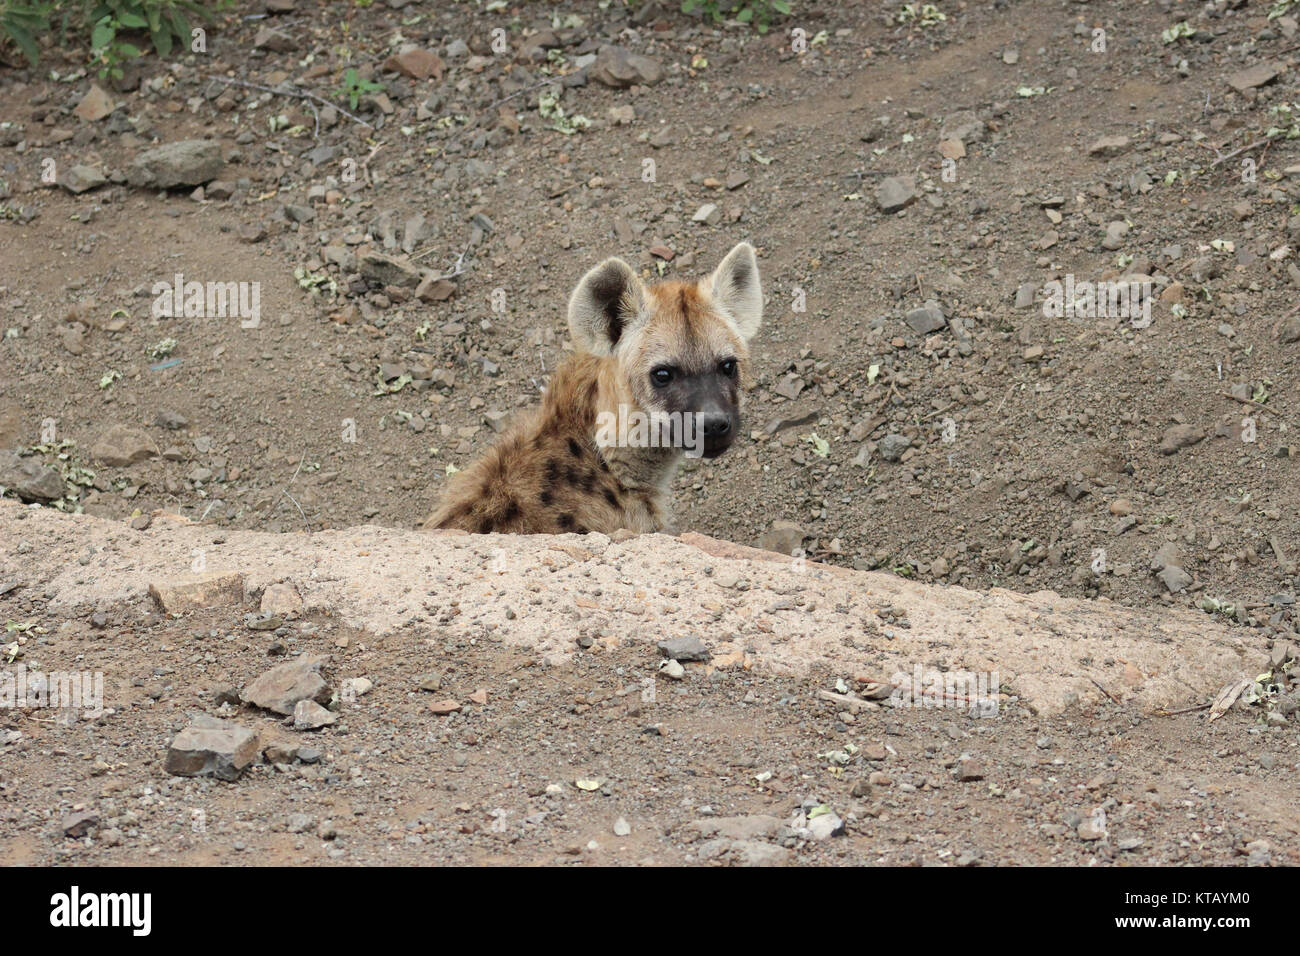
{"points": [[608, 303], [736, 289]]}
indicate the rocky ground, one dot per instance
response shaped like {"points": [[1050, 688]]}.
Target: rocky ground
{"points": [[914, 184], [375, 696]]}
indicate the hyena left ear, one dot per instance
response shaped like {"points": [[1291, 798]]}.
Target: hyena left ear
{"points": [[608, 303], [736, 289]]}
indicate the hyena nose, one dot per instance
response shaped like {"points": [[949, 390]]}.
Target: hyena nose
{"points": [[715, 426]]}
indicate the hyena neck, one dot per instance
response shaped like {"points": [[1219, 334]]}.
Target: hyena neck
{"points": [[595, 387]]}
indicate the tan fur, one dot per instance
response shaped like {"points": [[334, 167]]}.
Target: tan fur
{"points": [[546, 474]]}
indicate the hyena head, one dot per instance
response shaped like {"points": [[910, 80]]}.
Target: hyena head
{"points": [[680, 348]]}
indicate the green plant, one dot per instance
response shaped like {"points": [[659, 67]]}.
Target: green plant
{"points": [[21, 22], [116, 28], [548, 105], [354, 87], [758, 12], [166, 21], [926, 14]]}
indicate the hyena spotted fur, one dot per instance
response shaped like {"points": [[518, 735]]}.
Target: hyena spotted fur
{"points": [[671, 347]]}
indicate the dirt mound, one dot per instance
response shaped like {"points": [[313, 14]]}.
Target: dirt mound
{"points": [[544, 594]]}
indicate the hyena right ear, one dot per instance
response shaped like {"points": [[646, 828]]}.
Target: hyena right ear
{"points": [[608, 303]]}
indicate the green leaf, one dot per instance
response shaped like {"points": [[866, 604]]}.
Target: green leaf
{"points": [[102, 35], [132, 20], [181, 24], [24, 41], [162, 41], [781, 6], [128, 50], [744, 16]]}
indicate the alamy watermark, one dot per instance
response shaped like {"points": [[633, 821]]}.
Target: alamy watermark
{"points": [[56, 690], [208, 300], [961, 690], [1104, 299], [632, 428]]}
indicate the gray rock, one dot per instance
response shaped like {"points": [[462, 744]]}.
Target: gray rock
{"points": [[1165, 555], [1282, 652], [190, 162], [309, 715], [1204, 268], [752, 853], [824, 826], [893, 445], [929, 318], [619, 67], [964, 126], [1025, 295], [123, 445], [1179, 437], [1109, 146], [28, 478], [895, 193], [1115, 233], [280, 688], [1093, 828], [385, 270], [277, 41], [212, 748], [1174, 578], [687, 648], [81, 178], [169, 419], [297, 212], [1260, 74], [709, 214], [77, 825]]}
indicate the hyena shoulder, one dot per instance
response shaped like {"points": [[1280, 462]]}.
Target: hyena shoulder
{"points": [[544, 476]]}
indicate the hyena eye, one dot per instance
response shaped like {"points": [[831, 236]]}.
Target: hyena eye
{"points": [[728, 368], [661, 376]]}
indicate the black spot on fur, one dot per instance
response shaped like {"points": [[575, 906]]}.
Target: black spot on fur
{"points": [[485, 525], [574, 450], [511, 512], [552, 471], [546, 497], [566, 522], [611, 497], [571, 475], [588, 482]]}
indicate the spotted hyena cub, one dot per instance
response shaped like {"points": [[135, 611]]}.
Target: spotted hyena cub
{"points": [[656, 375]]}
